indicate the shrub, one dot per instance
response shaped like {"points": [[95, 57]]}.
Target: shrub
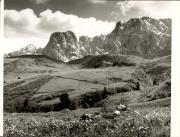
{"points": [[104, 93], [123, 62], [90, 99], [122, 89], [137, 86], [124, 101], [25, 103], [65, 101], [17, 105]]}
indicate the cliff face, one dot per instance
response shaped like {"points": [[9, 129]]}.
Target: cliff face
{"points": [[92, 46], [62, 46], [145, 37]]}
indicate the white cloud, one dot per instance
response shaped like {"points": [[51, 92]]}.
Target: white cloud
{"points": [[40, 1], [20, 23], [25, 24], [156, 9], [98, 1], [125, 6], [59, 21]]}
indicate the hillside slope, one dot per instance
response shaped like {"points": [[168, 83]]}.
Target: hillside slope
{"points": [[41, 81]]}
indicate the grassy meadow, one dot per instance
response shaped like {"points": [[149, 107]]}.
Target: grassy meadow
{"points": [[155, 123], [46, 98]]}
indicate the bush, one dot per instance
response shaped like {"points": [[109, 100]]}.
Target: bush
{"points": [[17, 105], [124, 101], [90, 99], [65, 101], [123, 62]]}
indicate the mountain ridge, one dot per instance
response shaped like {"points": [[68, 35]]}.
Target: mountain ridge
{"points": [[145, 37], [30, 49]]}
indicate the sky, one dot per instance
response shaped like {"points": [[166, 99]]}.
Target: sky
{"points": [[33, 21]]}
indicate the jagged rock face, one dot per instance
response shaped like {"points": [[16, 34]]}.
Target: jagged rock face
{"points": [[28, 50], [85, 45], [92, 46], [97, 45], [39, 51], [145, 37], [62, 46]]}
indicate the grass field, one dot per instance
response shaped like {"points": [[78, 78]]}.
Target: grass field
{"points": [[36, 84], [129, 124]]}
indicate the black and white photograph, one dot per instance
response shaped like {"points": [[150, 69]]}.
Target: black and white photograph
{"points": [[87, 68]]}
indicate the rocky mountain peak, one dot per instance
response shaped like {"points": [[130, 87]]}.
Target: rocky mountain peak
{"points": [[62, 46], [145, 37], [30, 49]]}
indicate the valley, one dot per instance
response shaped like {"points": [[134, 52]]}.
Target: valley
{"points": [[41, 81], [33, 89], [111, 85]]}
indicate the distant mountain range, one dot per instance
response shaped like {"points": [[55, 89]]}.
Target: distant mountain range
{"points": [[145, 37], [28, 50]]}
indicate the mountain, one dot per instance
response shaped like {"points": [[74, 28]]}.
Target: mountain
{"points": [[92, 46], [62, 46], [145, 37], [28, 50]]}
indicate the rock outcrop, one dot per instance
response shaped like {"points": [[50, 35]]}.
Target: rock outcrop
{"points": [[145, 37], [62, 46]]}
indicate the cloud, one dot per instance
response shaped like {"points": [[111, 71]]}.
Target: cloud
{"points": [[40, 1], [155, 9], [25, 24], [125, 7], [98, 1], [59, 21], [21, 24]]}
